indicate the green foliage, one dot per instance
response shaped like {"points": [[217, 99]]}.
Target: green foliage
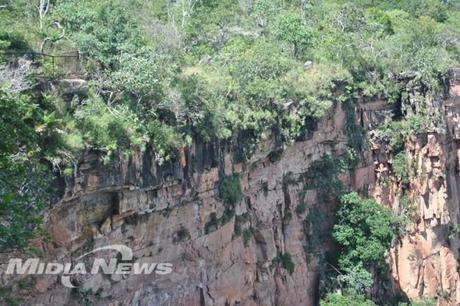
{"points": [[101, 29], [291, 28], [20, 207], [217, 69], [139, 74], [25, 283], [323, 175], [230, 190], [82, 296], [12, 41], [454, 231], [182, 234], [335, 299], [395, 133], [239, 221], [400, 167], [301, 208], [104, 128], [212, 224], [286, 262], [227, 216], [164, 138], [67, 172], [356, 279], [424, 302], [24, 180], [364, 230], [237, 229], [35, 251], [355, 133], [272, 88], [408, 210]]}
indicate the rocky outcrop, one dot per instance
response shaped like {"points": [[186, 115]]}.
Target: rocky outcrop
{"points": [[137, 203], [425, 260], [173, 213]]}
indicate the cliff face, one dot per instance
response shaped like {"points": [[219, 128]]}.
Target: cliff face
{"points": [[173, 213], [136, 203], [425, 260]]}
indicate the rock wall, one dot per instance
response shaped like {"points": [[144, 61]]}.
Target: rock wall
{"points": [[425, 260], [137, 203]]}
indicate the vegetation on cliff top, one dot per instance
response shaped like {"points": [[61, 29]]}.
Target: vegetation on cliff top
{"points": [[163, 72]]}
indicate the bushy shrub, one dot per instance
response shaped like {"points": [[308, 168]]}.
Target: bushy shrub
{"points": [[286, 262], [182, 234], [230, 189], [108, 128], [239, 221], [212, 224], [356, 279], [335, 299], [364, 230], [24, 179], [301, 208], [13, 41], [400, 167], [323, 175]]}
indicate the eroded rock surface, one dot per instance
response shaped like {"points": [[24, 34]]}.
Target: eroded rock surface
{"points": [[137, 203]]}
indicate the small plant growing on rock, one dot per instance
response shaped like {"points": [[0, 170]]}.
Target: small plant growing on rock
{"points": [[426, 302], [324, 176], [336, 299], [230, 189], [408, 211], [67, 172], [265, 188], [82, 296], [454, 230], [286, 262], [227, 216], [182, 234], [212, 224], [247, 235], [25, 283], [400, 168], [239, 220], [301, 208], [237, 228]]}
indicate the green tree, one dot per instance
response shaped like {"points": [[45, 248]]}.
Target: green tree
{"points": [[24, 180], [230, 189], [108, 128], [364, 230], [102, 30], [291, 28]]}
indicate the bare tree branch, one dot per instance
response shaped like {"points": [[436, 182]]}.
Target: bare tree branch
{"points": [[43, 8]]}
